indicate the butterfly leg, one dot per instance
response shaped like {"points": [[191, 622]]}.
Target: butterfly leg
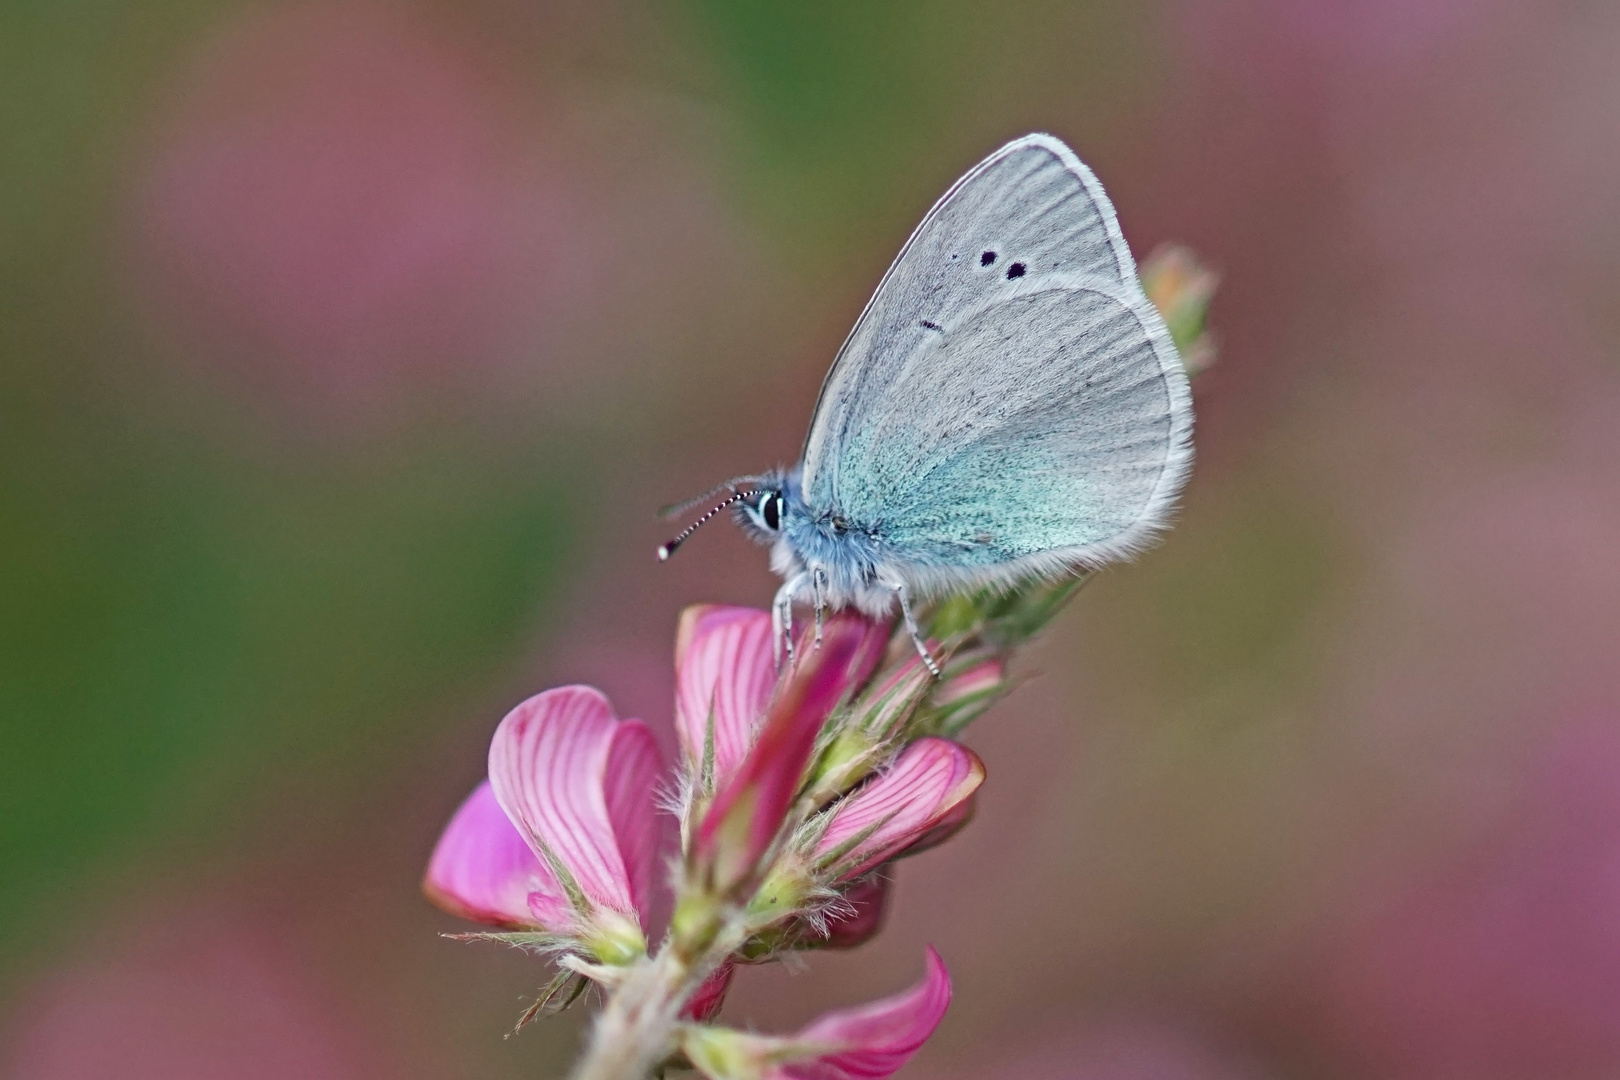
{"points": [[782, 618], [899, 588], [819, 581]]}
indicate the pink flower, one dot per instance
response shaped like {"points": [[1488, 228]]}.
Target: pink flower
{"points": [[562, 840], [929, 787], [868, 1042], [577, 788], [740, 825]]}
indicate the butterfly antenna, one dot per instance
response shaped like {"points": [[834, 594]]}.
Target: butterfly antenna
{"points": [[668, 549], [677, 509]]}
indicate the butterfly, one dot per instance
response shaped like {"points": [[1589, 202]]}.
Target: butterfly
{"points": [[1009, 407]]}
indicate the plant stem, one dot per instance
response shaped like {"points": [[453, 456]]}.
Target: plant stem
{"points": [[632, 1032]]}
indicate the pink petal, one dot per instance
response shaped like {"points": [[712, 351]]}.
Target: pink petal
{"points": [[872, 1041], [929, 781], [874, 643], [724, 669], [581, 784], [943, 829], [634, 771], [710, 996], [483, 870], [746, 814]]}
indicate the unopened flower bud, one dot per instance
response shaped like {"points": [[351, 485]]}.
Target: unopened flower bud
{"points": [[889, 703], [857, 916], [725, 1054], [614, 938], [847, 760], [1181, 288], [928, 785], [711, 995], [785, 890], [962, 696]]}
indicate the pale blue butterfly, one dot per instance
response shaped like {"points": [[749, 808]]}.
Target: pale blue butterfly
{"points": [[1009, 407]]}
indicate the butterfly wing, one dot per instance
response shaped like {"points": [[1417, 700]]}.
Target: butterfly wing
{"points": [[1010, 402]]}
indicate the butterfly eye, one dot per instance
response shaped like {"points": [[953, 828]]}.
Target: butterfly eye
{"points": [[770, 510]]}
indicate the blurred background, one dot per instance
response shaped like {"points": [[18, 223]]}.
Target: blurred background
{"points": [[346, 349]]}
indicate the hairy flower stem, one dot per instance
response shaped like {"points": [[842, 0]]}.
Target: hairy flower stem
{"points": [[634, 1032]]}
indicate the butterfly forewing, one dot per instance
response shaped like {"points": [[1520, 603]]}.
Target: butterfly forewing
{"points": [[1009, 394]]}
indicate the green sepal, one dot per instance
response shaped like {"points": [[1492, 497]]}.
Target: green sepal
{"points": [[538, 941], [548, 1003]]}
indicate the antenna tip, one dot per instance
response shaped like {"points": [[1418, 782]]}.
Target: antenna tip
{"points": [[664, 552]]}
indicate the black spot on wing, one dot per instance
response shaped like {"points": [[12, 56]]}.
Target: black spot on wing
{"points": [[926, 325], [1016, 270], [987, 258]]}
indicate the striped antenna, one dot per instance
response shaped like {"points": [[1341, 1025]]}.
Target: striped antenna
{"points": [[668, 549]]}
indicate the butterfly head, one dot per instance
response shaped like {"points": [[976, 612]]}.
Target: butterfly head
{"points": [[761, 505]]}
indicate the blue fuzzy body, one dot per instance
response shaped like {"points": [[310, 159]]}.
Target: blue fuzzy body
{"points": [[848, 555]]}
